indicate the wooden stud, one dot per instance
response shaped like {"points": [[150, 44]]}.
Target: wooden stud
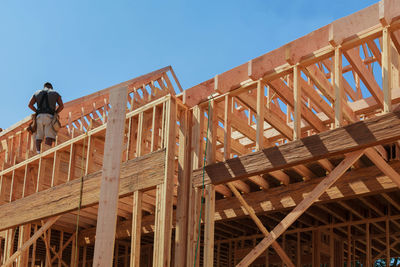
{"points": [[260, 116], [136, 228], [337, 74], [227, 127], [129, 139], [209, 212], [139, 143], [162, 237], [194, 193], [331, 247], [71, 163], [153, 130], [60, 253], [84, 256], [368, 247], [181, 229], [24, 235], [316, 248], [386, 71], [387, 239], [297, 103], [298, 250]]}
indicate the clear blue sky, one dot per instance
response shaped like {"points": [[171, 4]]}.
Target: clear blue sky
{"points": [[85, 46]]}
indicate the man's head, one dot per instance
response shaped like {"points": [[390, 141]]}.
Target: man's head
{"points": [[48, 85]]}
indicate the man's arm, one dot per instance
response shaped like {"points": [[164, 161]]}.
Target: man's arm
{"points": [[32, 103], [60, 104]]}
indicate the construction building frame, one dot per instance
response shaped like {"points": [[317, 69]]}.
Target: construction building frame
{"points": [[289, 159]]}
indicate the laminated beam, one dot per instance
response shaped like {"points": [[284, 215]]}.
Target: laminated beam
{"points": [[136, 174]]}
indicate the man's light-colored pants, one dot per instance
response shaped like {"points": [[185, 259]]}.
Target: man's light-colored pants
{"points": [[45, 126]]}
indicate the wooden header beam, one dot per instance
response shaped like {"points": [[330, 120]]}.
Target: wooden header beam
{"points": [[378, 130]]}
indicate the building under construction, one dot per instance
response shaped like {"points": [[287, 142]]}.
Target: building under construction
{"points": [[292, 158]]}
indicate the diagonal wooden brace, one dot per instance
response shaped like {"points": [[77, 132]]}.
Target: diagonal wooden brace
{"points": [[28, 243], [302, 207], [279, 250]]}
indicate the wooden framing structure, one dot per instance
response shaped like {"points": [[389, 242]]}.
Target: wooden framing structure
{"points": [[301, 157]]}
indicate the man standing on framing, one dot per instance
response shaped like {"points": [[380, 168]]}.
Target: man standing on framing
{"points": [[46, 113]]}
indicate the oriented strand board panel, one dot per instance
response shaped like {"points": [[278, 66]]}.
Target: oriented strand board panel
{"points": [[136, 174]]}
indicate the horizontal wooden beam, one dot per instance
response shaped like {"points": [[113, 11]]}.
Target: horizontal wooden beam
{"points": [[140, 173], [355, 183], [378, 130]]}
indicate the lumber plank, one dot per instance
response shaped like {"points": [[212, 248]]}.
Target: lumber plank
{"points": [[136, 228], [136, 174], [108, 203], [378, 130], [386, 71], [296, 104], [338, 87]]}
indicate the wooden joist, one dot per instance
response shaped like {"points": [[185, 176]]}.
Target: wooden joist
{"points": [[378, 130]]}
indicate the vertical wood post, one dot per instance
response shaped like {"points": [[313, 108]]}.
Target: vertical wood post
{"points": [[8, 244], [331, 248], [260, 116], [181, 231], [349, 245], [337, 76], [195, 198], [298, 250], [386, 71], [387, 242], [136, 228], [163, 224], [368, 247], [316, 238], [209, 211], [24, 235], [297, 103], [227, 127], [107, 214]]}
